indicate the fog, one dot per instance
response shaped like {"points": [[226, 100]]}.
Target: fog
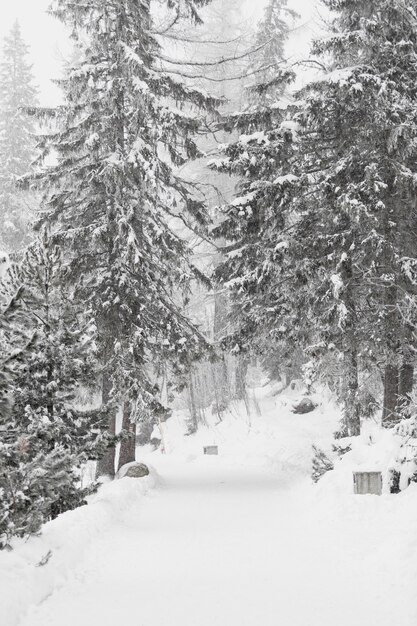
{"points": [[48, 42]]}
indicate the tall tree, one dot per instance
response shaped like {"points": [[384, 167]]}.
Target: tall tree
{"points": [[117, 199], [271, 36], [363, 120], [260, 160], [17, 141], [323, 233]]}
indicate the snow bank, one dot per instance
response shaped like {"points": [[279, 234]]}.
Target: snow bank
{"points": [[377, 449], [36, 568]]}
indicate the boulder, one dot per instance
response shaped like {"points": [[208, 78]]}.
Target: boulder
{"points": [[133, 470], [306, 405]]}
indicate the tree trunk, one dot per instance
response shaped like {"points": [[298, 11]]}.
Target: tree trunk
{"points": [[392, 225], [406, 371], [193, 421], [241, 371], [352, 412], [391, 379], [223, 384], [389, 413], [128, 445], [220, 367], [405, 388], [105, 465], [353, 409]]}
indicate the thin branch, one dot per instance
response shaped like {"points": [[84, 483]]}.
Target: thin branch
{"points": [[199, 41], [170, 25], [217, 62], [219, 80]]}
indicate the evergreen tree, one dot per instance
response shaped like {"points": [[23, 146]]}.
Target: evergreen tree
{"points": [[271, 35], [261, 159], [361, 118], [17, 142], [323, 234], [117, 198], [12, 342], [45, 438]]}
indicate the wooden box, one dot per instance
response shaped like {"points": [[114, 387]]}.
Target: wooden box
{"points": [[367, 482], [211, 450]]}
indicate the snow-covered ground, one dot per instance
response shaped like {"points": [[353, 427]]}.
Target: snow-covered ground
{"points": [[239, 539]]}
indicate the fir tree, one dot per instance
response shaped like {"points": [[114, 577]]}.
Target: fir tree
{"points": [[117, 198], [12, 342], [45, 437], [17, 142], [262, 160], [323, 232], [360, 121], [271, 35], [321, 464]]}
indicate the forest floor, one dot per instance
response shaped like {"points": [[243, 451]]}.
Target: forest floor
{"points": [[239, 539]]}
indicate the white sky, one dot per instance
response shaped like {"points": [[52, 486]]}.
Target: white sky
{"points": [[44, 35], [47, 40]]}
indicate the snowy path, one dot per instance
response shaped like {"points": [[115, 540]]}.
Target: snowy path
{"points": [[221, 545]]}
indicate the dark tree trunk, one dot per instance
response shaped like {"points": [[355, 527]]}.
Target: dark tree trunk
{"points": [[220, 367], [389, 412], [392, 225], [105, 465], [223, 385], [391, 378], [128, 444], [352, 413], [193, 422], [406, 371], [241, 371], [405, 388], [353, 409], [407, 245]]}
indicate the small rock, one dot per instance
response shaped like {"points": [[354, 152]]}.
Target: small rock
{"points": [[133, 470], [305, 406], [155, 443]]}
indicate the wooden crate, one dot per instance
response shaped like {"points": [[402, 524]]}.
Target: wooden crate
{"points": [[211, 450], [367, 482]]}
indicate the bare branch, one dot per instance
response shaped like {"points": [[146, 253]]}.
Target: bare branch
{"points": [[217, 62]]}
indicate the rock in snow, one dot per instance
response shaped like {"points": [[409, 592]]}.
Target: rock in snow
{"points": [[133, 470], [305, 406]]}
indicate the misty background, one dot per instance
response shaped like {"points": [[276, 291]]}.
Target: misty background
{"points": [[49, 45]]}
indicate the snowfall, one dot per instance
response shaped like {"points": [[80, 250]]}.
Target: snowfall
{"points": [[244, 538]]}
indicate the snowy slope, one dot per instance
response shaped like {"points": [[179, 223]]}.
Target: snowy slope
{"points": [[24, 581], [266, 433], [239, 539]]}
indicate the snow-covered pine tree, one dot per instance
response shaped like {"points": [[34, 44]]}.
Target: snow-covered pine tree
{"points": [[360, 124], [17, 141], [117, 198], [271, 35], [321, 464], [254, 222], [48, 347], [13, 340], [330, 219]]}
